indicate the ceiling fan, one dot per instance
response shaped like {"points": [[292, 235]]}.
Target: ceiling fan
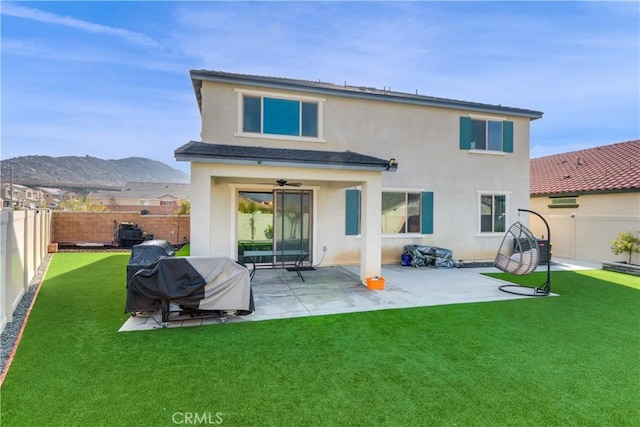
{"points": [[285, 183]]}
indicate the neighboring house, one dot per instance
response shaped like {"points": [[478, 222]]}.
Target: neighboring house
{"points": [[23, 197], [53, 196], [152, 197], [588, 197], [351, 174]]}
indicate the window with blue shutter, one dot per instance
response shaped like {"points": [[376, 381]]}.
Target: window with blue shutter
{"points": [[402, 212], [490, 135], [406, 212]]}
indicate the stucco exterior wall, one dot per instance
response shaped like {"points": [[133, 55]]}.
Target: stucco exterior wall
{"points": [[425, 143], [627, 203], [585, 232]]}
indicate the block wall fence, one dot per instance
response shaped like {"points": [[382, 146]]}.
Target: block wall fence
{"points": [[24, 237], [99, 227]]}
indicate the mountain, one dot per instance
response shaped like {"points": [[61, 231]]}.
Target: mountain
{"points": [[88, 171]]}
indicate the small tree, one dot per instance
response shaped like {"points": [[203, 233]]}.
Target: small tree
{"points": [[82, 204], [184, 207], [626, 243]]}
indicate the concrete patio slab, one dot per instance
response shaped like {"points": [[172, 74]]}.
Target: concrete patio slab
{"points": [[282, 294]]}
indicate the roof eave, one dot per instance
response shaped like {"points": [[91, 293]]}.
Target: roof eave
{"points": [[197, 76], [576, 193], [195, 158]]}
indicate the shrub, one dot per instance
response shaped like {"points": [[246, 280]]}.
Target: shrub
{"points": [[626, 243]]}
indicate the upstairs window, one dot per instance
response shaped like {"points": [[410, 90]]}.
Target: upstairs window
{"points": [[268, 115], [488, 135]]}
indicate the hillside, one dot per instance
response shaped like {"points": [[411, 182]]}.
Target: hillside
{"points": [[88, 171]]}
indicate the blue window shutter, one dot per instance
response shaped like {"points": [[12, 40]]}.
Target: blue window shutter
{"points": [[427, 212], [465, 133], [352, 213], [507, 137]]}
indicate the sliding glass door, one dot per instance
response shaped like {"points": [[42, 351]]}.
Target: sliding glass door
{"points": [[276, 224], [291, 226]]}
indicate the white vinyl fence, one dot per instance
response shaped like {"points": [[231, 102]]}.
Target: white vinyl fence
{"points": [[24, 237], [587, 237]]}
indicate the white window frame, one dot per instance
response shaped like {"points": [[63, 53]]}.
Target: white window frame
{"points": [[487, 150], [407, 234], [493, 193], [262, 94]]}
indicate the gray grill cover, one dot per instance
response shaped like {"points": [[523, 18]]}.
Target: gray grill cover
{"points": [[198, 283], [146, 253]]}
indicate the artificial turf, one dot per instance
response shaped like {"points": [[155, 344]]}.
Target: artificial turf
{"points": [[567, 360]]}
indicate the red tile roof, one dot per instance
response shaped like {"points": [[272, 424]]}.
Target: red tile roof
{"points": [[612, 167]]}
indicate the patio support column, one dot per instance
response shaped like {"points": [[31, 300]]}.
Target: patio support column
{"points": [[370, 231], [200, 210]]}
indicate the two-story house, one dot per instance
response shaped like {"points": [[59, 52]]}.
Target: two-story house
{"points": [[23, 196], [53, 196], [350, 175]]}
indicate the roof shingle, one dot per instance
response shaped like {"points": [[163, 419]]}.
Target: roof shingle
{"points": [[614, 167], [314, 158]]}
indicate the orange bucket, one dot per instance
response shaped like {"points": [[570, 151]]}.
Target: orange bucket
{"points": [[375, 283]]}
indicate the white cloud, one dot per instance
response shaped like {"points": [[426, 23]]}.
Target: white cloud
{"points": [[17, 11], [576, 62]]}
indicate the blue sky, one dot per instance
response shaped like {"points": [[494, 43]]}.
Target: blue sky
{"points": [[111, 79]]}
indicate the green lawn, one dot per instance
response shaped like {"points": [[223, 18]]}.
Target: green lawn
{"points": [[568, 360], [184, 251]]}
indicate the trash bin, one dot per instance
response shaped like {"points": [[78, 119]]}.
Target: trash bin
{"points": [[405, 260]]}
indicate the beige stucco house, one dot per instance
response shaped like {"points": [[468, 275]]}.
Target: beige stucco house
{"points": [[350, 175], [23, 197], [154, 198], [588, 197]]}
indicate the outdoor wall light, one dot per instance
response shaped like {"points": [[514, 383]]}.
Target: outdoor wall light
{"points": [[392, 161]]}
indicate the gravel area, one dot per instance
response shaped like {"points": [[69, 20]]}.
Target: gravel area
{"points": [[12, 329]]}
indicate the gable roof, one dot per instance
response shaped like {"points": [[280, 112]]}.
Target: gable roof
{"points": [[146, 190], [319, 87], [203, 152], [608, 168]]}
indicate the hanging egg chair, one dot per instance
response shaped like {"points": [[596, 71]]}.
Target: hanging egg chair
{"points": [[518, 253]]}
